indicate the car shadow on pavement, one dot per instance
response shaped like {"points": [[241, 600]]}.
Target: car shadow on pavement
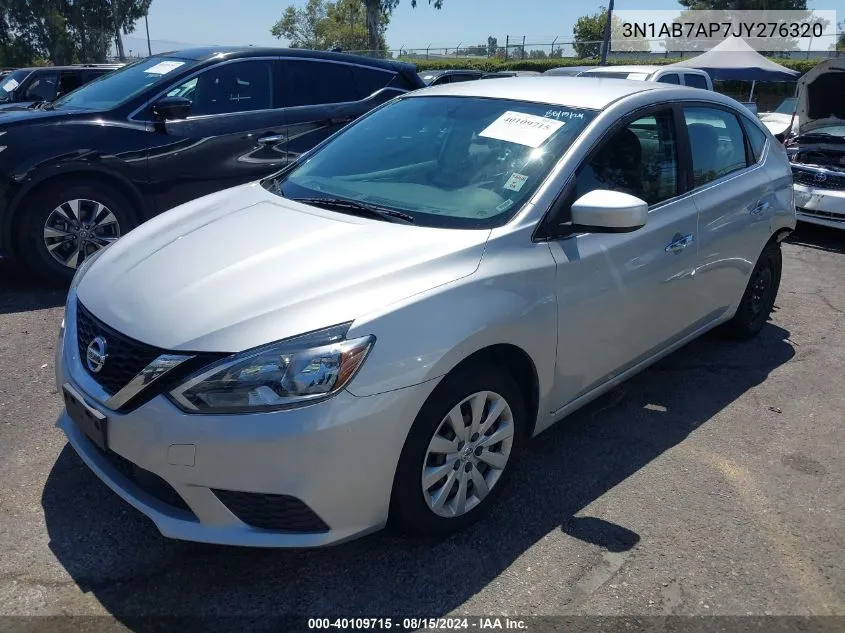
{"points": [[114, 552], [819, 237], [21, 293]]}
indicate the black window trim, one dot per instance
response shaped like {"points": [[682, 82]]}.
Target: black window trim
{"points": [[748, 154], [745, 122], [271, 58], [543, 231]]}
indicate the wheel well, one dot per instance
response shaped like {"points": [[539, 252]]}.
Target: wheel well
{"points": [[780, 235], [132, 196], [521, 368]]}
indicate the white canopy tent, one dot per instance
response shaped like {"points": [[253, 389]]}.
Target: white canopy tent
{"points": [[734, 59]]}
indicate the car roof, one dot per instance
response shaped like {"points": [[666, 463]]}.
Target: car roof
{"points": [[451, 71], [210, 52], [73, 67], [578, 92], [641, 68]]}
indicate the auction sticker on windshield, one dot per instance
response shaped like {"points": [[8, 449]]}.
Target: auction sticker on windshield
{"points": [[10, 85], [526, 129], [162, 68]]}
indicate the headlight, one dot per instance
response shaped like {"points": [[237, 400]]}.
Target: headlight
{"points": [[291, 372]]}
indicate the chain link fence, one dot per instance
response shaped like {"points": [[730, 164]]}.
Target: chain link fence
{"points": [[519, 48]]}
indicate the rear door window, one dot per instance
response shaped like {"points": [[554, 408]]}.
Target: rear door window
{"points": [[716, 142], [370, 80], [311, 82], [69, 80], [671, 78], [695, 81]]}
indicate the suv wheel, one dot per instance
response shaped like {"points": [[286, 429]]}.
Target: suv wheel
{"points": [[64, 226]]}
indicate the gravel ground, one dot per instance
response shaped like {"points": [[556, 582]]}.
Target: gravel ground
{"points": [[713, 483]]}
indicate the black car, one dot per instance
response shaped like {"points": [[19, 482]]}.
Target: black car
{"points": [[26, 86], [79, 172], [439, 77]]}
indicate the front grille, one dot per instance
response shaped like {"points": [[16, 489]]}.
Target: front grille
{"points": [[279, 513], [126, 356], [820, 180], [825, 215]]}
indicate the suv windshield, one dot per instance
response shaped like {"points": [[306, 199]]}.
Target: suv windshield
{"points": [[118, 87], [461, 162], [10, 83]]}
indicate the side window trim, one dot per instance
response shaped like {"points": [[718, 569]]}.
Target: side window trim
{"points": [[164, 91], [544, 231]]}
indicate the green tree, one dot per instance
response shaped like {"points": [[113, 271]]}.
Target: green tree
{"points": [[492, 46], [537, 54], [376, 9], [589, 34], [124, 15], [322, 25]]}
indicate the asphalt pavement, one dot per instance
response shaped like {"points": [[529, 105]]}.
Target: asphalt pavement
{"points": [[711, 484]]}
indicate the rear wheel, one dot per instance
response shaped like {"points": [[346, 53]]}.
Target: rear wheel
{"points": [[62, 227], [459, 452], [760, 294]]}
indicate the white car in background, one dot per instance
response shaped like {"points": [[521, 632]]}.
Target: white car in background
{"points": [[678, 75], [817, 153], [783, 121]]}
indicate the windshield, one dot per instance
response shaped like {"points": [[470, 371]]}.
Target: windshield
{"points": [[460, 162], [787, 106], [118, 87], [10, 83]]}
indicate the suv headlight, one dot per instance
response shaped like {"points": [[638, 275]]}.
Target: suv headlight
{"points": [[291, 372]]}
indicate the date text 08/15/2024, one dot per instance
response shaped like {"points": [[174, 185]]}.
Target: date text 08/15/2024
{"points": [[414, 624]]}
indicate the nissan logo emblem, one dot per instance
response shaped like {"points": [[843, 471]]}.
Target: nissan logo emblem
{"points": [[95, 355]]}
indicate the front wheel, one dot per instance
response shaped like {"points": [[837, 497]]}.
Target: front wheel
{"points": [[62, 227], [760, 294], [459, 452]]}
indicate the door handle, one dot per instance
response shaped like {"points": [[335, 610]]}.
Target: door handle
{"points": [[761, 206], [338, 120], [271, 138], [680, 242]]}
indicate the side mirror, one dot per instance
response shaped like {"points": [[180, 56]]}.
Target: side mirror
{"points": [[605, 211], [170, 108]]}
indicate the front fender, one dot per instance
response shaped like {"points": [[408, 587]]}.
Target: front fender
{"points": [[510, 299]]}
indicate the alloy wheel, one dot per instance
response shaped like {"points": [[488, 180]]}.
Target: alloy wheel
{"points": [[78, 228], [467, 454]]}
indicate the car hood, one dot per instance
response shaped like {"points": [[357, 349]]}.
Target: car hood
{"points": [[18, 113], [244, 267], [776, 122], [820, 91]]}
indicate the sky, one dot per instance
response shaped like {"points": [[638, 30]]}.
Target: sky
{"points": [[458, 22]]}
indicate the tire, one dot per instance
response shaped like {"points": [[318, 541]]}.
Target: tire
{"points": [[54, 208], [760, 294], [412, 509]]}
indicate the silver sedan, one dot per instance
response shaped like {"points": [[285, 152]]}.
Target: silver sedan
{"points": [[374, 332]]}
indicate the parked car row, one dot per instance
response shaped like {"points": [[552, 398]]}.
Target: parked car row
{"points": [[85, 169], [25, 87], [374, 330]]}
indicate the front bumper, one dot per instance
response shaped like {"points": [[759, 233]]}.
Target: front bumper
{"points": [[337, 457], [825, 207]]}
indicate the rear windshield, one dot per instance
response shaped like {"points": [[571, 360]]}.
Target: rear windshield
{"points": [[118, 87], [449, 162]]}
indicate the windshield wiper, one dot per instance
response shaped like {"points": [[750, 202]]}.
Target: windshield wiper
{"points": [[360, 208]]}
